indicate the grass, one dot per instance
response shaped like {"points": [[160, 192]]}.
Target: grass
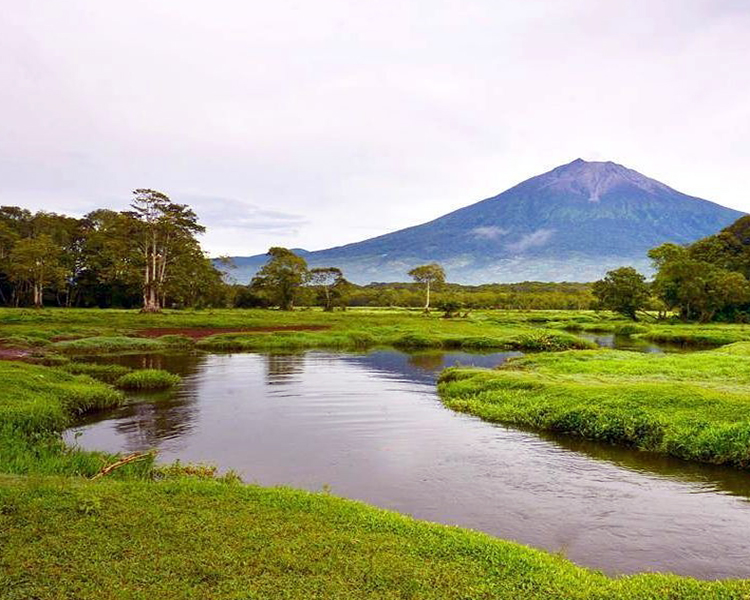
{"points": [[193, 538], [395, 336], [147, 379], [177, 532], [119, 344], [693, 406], [105, 373], [36, 404]]}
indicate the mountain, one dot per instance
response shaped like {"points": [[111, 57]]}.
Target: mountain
{"points": [[572, 223]]}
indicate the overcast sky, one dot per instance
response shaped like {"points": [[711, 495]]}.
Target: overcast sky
{"points": [[313, 123]]}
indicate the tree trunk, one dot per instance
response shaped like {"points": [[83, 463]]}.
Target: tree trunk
{"points": [[150, 301], [427, 300], [37, 296]]}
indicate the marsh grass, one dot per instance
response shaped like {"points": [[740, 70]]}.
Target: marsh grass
{"points": [[120, 344], [193, 534], [36, 404], [108, 373], [147, 379], [694, 406]]}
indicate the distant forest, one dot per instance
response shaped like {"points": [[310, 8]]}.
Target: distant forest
{"points": [[150, 258]]}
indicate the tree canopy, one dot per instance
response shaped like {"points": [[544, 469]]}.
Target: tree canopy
{"points": [[282, 277], [149, 256], [623, 290], [430, 276]]}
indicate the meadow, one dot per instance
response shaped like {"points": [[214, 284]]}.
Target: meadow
{"points": [[695, 406], [179, 531]]}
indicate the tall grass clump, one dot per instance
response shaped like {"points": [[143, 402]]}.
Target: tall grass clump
{"points": [[106, 373], [548, 341], [147, 379]]}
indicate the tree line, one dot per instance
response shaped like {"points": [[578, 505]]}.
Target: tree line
{"points": [[285, 281], [148, 256], [708, 280]]}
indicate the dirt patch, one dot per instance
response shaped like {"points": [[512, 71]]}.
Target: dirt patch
{"points": [[8, 353], [200, 332]]}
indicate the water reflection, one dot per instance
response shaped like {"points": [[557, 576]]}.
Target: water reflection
{"points": [[371, 427], [281, 368]]}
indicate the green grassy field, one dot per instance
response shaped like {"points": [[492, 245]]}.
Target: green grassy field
{"points": [[74, 331], [695, 406], [177, 532], [190, 538]]}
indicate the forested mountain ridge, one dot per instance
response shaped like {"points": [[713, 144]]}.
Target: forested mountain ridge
{"points": [[572, 223]]}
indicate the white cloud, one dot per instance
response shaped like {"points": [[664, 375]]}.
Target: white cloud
{"points": [[489, 232], [534, 239]]}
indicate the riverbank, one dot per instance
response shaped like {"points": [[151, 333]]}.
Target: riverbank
{"points": [[145, 531], [177, 533], [192, 538], [695, 406]]}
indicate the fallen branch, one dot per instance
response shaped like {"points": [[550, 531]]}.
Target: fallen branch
{"points": [[131, 458]]}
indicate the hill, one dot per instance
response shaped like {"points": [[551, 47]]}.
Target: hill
{"points": [[572, 223]]}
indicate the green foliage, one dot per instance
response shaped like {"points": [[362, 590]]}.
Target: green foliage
{"points": [[282, 277], [708, 279], [147, 379], [623, 290], [430, 276], [108, 258], [331, 286]]}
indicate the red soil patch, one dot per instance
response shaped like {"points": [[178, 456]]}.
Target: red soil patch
{"points": [[200, 332], [7, 353]]}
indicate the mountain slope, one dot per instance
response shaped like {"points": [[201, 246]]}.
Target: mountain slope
{"points": [[570, 224]]}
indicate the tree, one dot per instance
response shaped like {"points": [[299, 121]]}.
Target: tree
{"points": [[700, 290], [162, 231], [282, 277], [331, 284], [623, 290], [36, 262], [429, 276]]}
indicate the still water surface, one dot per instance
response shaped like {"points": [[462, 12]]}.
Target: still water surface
{"points": [[372, 428]]}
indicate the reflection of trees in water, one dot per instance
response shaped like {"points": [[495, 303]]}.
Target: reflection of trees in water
{"points": [[147, 424], [183, 364], [429, 361], [280, 368], [151, 418]]}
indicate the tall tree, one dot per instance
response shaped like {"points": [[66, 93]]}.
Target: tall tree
{"points": [[35, 262], [622, 290], [282, 277], [162, 230], [331, 284], [430, 276]]}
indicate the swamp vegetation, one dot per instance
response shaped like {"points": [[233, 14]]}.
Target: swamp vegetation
{"points": [[147, 530]]}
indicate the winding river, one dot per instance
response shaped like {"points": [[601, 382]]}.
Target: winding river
{"points": [[371, 427]]}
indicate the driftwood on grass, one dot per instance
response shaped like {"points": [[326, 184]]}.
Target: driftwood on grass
{"points": [[126, 460]]}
